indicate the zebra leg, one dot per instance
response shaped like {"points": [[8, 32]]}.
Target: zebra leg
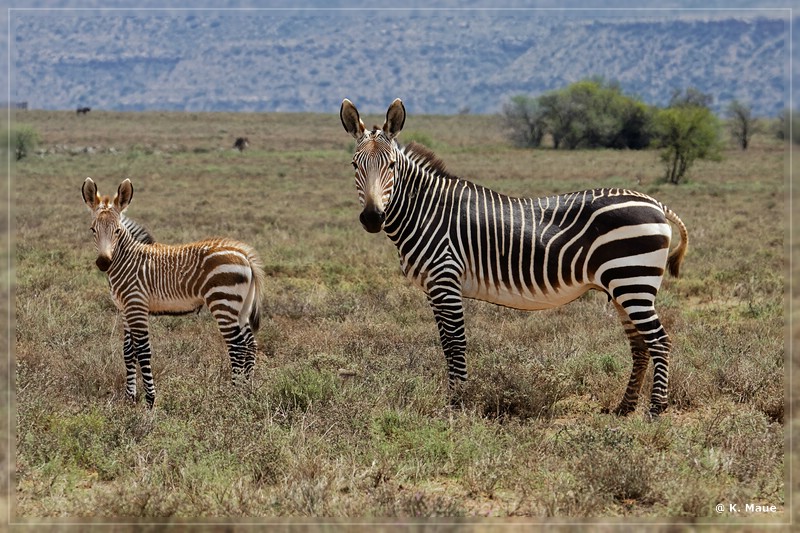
{"points": [[129, 355], [641, 357], [141, 343], [659, 345], [648, 326], [448, 310], [241, 345], [248, 343], [136, 323]]}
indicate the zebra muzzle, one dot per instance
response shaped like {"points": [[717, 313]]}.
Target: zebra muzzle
{"points": [[103, 263], [372, 220]]}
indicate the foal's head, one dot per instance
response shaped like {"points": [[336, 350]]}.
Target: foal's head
{"points": [[106, 212]]}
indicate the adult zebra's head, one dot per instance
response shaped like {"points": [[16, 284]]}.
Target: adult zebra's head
{"points": [[374, 160], [106, 225]]}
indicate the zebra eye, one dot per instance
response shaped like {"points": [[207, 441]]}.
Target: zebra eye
{"points": [[117, 231], [391, 165], [355, 166], [94, 231]]}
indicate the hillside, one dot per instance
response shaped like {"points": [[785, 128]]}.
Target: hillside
{"points": [[438, 62]]}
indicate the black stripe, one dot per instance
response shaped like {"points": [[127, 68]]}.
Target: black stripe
{"points": [[628, 272], [641, 315], [630, 289], [626, 247], [637, 303], [224, 279]]}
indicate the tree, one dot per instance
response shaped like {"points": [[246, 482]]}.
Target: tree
{"points": [[594, 113], [522, 118], [558, 115], [691, 97], [741, 123], [686, 133], [636, 126]]}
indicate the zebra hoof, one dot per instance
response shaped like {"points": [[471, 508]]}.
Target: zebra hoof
{"points": [[151, 400], [654, 413], [456, 403]]}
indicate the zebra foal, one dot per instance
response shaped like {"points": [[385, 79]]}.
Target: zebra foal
{"points": [[459, 240], [153, 278]]}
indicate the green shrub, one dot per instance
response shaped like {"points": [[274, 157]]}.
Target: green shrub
{"points": [[23, 140], [523, 121], [297, 390], [685, 134], [589, 113]]}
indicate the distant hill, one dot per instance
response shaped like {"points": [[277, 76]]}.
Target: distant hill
{"points": [[438, 62]]}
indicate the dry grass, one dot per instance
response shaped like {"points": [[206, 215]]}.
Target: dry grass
{"points": [[347, 413]]}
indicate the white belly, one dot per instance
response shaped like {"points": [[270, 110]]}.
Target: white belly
{"points": [[158, 305], [525, 300]]}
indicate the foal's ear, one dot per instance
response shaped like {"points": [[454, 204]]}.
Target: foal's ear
{"points": [[351, 120], [124, 195], [395, 118], [89, 193]]}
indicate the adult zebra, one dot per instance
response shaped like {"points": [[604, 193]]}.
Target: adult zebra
{"points": [[223, 274], [459, 240]]}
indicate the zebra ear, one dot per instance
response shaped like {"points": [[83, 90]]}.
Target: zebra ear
{"points": [[123, 196], [89, 194], [395, 118], [351, 120]]}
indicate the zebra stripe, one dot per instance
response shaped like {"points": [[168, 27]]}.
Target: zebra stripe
{"points": [[459, 240], [137, 231], [153, 278]]}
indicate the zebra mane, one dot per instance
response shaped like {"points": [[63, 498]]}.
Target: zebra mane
{"points": [[424, 156], [138, 231]]}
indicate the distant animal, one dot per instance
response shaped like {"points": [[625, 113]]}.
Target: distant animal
{"points": [[83, 110], [241, 143], [459, 240], [223, 274]]}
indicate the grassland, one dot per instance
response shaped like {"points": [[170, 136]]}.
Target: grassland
{"points": [[347, 415]]}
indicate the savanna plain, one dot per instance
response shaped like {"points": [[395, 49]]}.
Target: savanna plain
{"points": [[347, 414]]}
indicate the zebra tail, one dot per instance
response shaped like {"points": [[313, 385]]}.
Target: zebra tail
{"points": [[676, 256], [256, 292]]}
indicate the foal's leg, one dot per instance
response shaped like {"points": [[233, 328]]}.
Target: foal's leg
{"points": [[129, 354], [137, 321], [241, 345]]}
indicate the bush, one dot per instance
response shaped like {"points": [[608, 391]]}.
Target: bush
{"points": [[685, 134], [741, 123], [523, 121], [298, 390], [24, 140], [589, 113]]}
